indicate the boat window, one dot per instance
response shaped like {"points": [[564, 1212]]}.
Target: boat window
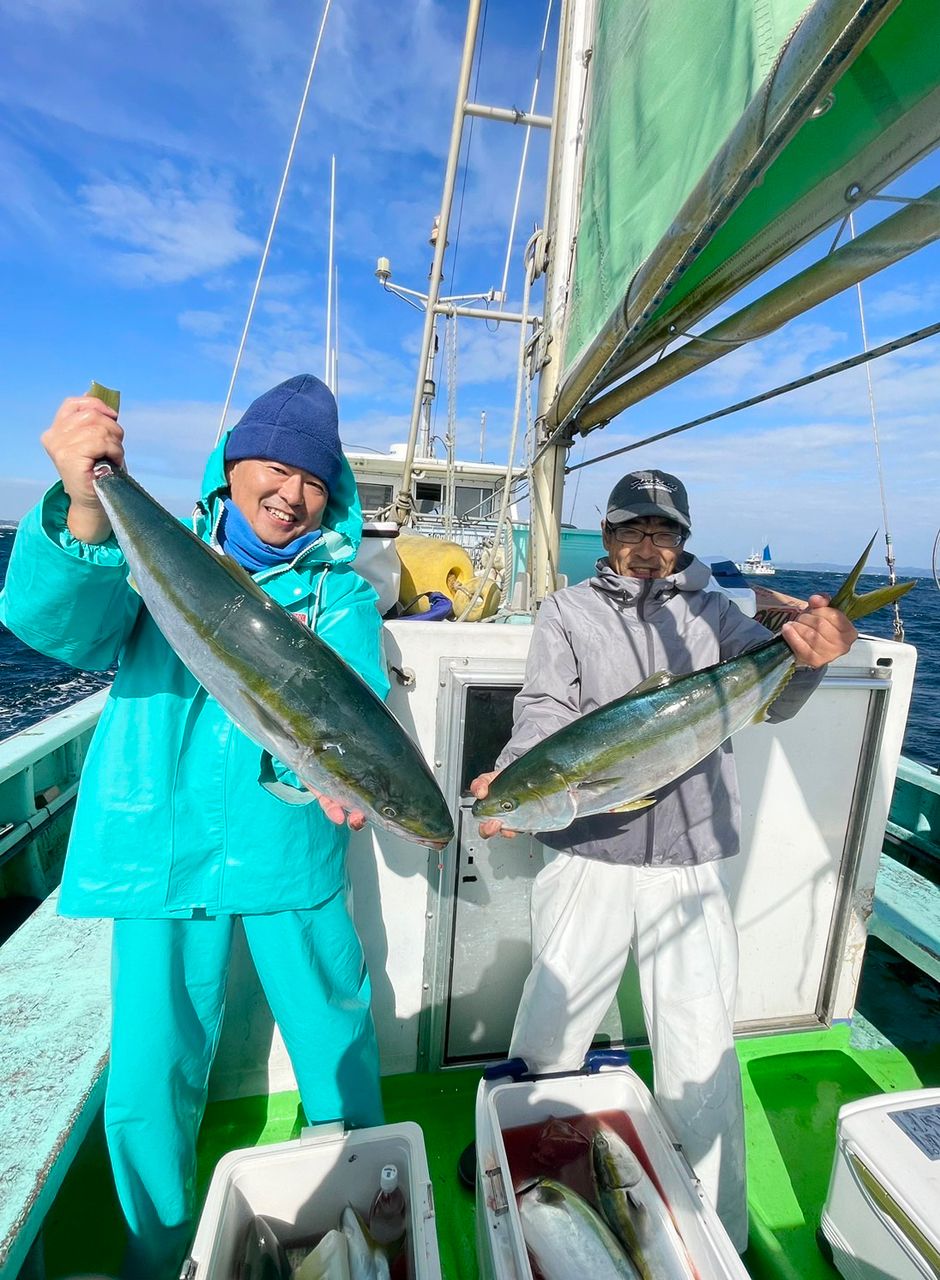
{"points": [[428, 498], [374, 496], [487, 728], [473, 501]]}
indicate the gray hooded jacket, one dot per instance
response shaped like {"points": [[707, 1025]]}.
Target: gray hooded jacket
{"points": [[596, 641]]}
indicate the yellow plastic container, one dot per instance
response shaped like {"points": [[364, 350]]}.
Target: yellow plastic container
{"points": [[431, 564]]}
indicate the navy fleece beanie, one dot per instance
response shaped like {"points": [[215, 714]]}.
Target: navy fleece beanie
{"points": [[294, 423]]}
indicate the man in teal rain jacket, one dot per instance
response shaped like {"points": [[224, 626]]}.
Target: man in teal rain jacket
{"points": [[182, 823]]}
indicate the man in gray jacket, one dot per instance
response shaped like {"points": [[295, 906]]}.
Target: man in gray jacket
{"points": [[649, 879]]}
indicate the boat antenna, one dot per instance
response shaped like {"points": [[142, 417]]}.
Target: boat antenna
{"points": [[274, 218], [889, 543]]}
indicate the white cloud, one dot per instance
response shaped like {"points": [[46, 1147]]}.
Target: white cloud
{"points": [[177, 228], [204, 324]]}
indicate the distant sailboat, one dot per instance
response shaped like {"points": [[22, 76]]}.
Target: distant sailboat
{"points": [[758, 564]]}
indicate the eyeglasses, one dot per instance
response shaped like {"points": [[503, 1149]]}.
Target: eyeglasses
{"points": [[631, 536]]}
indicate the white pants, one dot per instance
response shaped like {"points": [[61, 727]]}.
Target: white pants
{"points": [[585, 917]]}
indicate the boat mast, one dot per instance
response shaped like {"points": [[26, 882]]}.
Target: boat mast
{"points": [[561, 212]]}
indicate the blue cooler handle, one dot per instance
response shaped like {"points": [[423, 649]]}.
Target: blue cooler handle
{"points": [[515, 1069], [598, 1059]]}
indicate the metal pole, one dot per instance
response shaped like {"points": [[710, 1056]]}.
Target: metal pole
{"points": [[509, 115], [403, 502], [481, 313], [548, 469]]}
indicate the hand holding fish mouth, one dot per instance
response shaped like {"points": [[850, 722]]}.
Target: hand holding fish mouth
{"points": [[336, 813], [84, 430], [480, 787], [819, 634]]}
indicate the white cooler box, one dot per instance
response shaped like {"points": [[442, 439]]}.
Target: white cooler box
{"points": [[303, 1186], [882, 1213], [505, 1105]]}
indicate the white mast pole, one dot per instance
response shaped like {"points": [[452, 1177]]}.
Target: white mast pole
{"points": [[328, 377]]}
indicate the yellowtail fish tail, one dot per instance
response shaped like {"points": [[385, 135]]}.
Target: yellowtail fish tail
{"points": [[855, 606], [111, 398]]}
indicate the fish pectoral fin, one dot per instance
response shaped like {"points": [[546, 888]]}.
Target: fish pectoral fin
{"points": [[643, 802], [276, 731], [658, 680]]}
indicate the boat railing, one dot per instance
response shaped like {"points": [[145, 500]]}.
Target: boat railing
{"points": [[906, 906], [39, 771]]}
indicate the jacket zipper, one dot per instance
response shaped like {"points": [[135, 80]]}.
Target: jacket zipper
{"points": [[650, 656]]}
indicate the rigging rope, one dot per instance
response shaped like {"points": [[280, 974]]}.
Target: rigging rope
{"points": [[525, 152], [889, 546], [897, 344], [274, 218]]}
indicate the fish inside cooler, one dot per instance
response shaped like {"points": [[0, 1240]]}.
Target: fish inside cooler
{"points": [[324, 1207], [589, 1200], [355, 1249], [579, 1176]]}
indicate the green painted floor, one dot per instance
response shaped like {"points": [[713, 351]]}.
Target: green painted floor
{"points": [[794, 1086]]}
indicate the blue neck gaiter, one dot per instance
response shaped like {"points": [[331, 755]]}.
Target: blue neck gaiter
{"points": [[239, 541]]}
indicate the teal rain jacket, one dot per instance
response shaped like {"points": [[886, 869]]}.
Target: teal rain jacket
{"points": [[178, 811]]}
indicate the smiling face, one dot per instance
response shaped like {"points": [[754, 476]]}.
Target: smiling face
{"points": [[280, 502], [642, 559]]}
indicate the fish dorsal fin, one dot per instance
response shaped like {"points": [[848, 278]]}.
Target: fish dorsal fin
{"points": [[658, 680]]}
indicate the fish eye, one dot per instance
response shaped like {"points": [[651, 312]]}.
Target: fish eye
{"points": [[388, 811], [508, 805]]}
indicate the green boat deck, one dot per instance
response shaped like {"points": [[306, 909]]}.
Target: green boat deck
{"points": [[794, 1086]]}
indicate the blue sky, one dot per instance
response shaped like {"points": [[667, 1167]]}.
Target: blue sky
{"points": [[141, 148]]}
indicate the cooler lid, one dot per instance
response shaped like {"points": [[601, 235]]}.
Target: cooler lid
{"points": [[892, 1143]]}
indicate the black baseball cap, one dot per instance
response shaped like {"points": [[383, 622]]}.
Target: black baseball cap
{"points": [[649, 493]]}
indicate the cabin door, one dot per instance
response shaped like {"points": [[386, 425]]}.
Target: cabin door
{"points": [[482, 950]]}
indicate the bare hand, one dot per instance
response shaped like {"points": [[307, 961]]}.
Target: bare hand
{"points": [[480, 787], [819, 634], [84, 430], [336, 813]]}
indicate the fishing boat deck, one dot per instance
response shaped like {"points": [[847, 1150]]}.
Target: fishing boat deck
{"points": [[794, 1085]]}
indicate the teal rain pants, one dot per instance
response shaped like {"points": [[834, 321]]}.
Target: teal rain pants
{"points": [[168, 982]]}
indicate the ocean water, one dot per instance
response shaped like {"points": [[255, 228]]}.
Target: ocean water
{"points": [[32, 687], [920, 614]]}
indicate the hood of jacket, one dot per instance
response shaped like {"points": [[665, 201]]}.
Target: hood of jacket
{"points": [[690, 575], [341, 524]]}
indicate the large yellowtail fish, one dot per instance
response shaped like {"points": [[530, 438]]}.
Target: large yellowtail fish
{"points": [[279, 682], [612, 759], [567, 1238], [636, 1211]]}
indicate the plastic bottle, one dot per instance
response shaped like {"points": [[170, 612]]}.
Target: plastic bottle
{"points": [[388, 1213]]}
